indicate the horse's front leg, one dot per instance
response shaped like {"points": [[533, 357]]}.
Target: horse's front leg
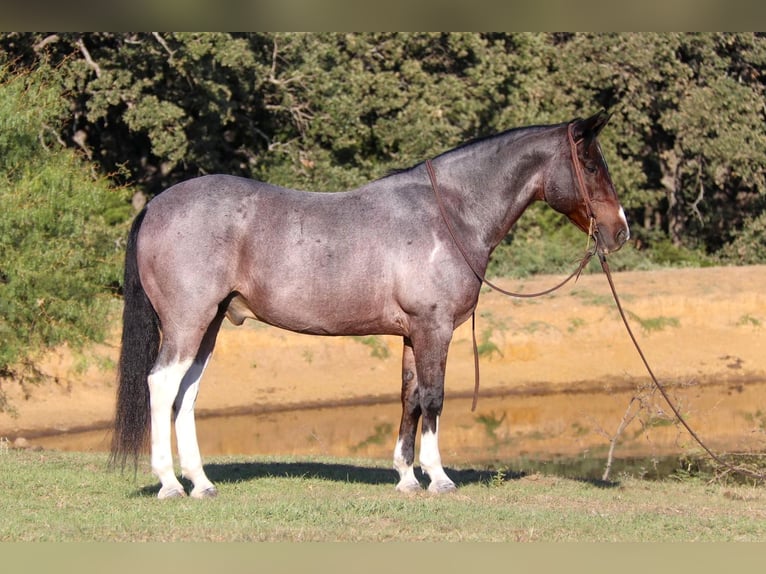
{"points": [[404, 453], [430, 349]]}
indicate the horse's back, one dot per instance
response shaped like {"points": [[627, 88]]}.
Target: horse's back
{"points": [[306, 261]]}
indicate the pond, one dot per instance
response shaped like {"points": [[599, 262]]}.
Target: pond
{"points": [[555, 428]]}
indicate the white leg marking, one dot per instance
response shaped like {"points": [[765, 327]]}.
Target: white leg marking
{"points": [[163, 388], [407, 480], [431, 462], [186, 433]]}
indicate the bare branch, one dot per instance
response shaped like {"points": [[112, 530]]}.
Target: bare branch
{"points": [[627, 418], [91, 64], [45, 41], [701, 195], [274, 53], [164, 44], [48, 129]]}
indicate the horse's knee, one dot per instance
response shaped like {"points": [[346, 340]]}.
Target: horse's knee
{"points": [[431, 402]]}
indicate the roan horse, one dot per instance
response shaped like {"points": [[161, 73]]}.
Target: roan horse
{"points": [[380, 259]]}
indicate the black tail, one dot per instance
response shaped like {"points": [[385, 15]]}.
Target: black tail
{"points": [[140, 345]]}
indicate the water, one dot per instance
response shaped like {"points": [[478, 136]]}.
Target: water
{"points": [[548, 431]]}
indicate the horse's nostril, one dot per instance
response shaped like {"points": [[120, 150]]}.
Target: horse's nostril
{"points": [[621, 236]]}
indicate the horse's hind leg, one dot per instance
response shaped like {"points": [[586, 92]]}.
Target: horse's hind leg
{"points": [[404, 453], [164, 382], [178, 351], [186, 430]]}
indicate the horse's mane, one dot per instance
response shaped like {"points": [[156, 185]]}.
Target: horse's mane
{"points": [[511, 134]]}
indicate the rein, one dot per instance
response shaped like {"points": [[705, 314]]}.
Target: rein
{"points": [[575, 274], [681, 419]]}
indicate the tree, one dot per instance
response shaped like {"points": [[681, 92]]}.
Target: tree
{"points": [[60, 232], [329, 111], [689, 131]]}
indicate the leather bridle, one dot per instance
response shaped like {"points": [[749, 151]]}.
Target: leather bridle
{"points": [[580, 184]]}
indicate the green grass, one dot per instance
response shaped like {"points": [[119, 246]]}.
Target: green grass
{"points": [[653, 324], [377, 345], [748, 319], [486, 347], [588, 297], [54, 496]]}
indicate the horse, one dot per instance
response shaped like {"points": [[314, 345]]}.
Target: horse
{"points": [[378, 259]]}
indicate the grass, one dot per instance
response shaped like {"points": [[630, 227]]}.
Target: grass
{"points": [[377, 346], [486, 347], [748, 319], [653, 324], [56, 496]]}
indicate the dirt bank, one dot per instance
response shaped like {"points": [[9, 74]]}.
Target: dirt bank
{"points": [[701, 325]]}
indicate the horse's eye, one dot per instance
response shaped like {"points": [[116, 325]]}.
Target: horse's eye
{"points": [[591, 167]]}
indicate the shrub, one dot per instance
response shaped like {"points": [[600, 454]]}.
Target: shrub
{"points": [[60, 232]]}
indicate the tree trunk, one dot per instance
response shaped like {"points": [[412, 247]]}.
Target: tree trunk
{"points": [[669, 163]]}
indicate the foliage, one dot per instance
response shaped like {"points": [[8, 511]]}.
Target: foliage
{"points": [[749, 246], [689, 127], [329, 111], [59, 231]]}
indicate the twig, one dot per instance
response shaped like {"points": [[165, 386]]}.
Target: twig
{"points": [[627, 418], [86, 54], [45, 41], [164, 44], [701, 195]]}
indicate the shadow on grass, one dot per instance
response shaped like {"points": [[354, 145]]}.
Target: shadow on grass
{"points": [[246, 471]]}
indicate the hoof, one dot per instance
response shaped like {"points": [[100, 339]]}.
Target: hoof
{"points": [[209, 492], [170, 492], [442, 486], [408, 486]]}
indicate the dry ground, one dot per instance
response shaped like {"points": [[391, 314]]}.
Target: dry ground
{"points": [[696, 325]]}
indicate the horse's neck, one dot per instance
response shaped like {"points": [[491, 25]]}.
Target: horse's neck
{"points": [[489, 185]]}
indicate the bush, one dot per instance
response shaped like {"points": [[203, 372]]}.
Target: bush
{"points": [[60, 232], [749, 247]]}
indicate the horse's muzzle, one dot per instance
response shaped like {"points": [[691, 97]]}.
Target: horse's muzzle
{"points": [[610, 242]]}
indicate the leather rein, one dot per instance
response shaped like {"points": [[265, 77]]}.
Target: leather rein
{"points": [[592, 233]]}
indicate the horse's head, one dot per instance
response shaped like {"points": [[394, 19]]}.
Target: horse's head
{"points": [[579, 186]]}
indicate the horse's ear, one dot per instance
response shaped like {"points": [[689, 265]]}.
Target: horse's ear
{"points": [[589, 128]]}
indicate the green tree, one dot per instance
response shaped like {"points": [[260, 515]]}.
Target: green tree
{"points": [[153, 109], [60, 232], [329, 111], [688, 137]]}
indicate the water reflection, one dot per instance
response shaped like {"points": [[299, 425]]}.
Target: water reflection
{"points": [[547, 427]]}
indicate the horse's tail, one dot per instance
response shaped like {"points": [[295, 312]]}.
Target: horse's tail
{"points": [[139, 349]]}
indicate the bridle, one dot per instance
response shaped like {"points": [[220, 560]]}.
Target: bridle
{"points": [[580, 181], [592, 233], [590, 252]]}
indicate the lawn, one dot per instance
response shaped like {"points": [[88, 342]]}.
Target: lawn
{"points": [[60, 496]]}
